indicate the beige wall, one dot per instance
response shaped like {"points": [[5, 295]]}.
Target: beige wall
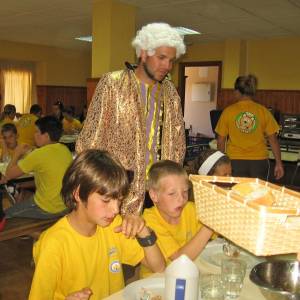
{"points": [[197, 113], [275, 62], [54, 66]]}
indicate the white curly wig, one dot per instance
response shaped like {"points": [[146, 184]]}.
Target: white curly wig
{"points": [[156, 35]]}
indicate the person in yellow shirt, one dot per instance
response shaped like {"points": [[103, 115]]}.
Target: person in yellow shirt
{"points": [[173, 217], [8, 115], [247, 126], [9, 141], [48, 164], [70, 124], [81, 256], [26, 125]]}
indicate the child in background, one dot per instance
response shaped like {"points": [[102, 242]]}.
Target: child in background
{"points": [[173, 217], [26, 125], [8, 115], [48, 163], [213, 163], [80, 256], [70, 124], [9, 141]]}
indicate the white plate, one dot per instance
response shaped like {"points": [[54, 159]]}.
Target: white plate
{"points": [[213, 254], [134, 289], [155, 285]]}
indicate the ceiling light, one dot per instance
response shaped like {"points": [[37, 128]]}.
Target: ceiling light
{"points": [[186, 31], [85, 38]]}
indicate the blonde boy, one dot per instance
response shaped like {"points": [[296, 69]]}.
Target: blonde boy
{"points": [[80, 257], [172, 217]]}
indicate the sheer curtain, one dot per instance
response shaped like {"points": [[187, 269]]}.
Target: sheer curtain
{"points": [[17, 85]]}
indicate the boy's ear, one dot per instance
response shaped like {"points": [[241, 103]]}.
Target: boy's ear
{"points": [[76, 195], [153, 195]]}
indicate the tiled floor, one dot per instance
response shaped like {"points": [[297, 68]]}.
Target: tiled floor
{"points": [[15, 269]]}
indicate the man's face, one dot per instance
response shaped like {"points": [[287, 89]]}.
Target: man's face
{"points": [[157, 66], [10, 138]]}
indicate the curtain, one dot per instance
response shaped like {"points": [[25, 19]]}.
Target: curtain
{"points": [[17, 85]]}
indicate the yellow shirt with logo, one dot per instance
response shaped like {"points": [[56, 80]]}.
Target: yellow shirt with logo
{"points": [[26, 129], [246, 123], [66, 261], [171, 237], [70, 127], [48, 164]]}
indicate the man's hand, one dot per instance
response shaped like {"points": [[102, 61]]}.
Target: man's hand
{"points": [[83, 294], [131, 226], [278, 170]]}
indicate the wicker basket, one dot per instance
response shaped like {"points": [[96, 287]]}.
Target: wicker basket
{"points": [[259, 229]]}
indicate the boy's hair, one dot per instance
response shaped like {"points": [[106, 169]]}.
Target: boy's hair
{"points": [[9, 109], [204, 155], [9, 127], [35, 109], [161, 169], [94, 171], [50, 125], [69, 110], [246, 85]]}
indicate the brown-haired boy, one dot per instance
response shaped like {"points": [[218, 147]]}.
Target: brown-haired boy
{"points": [[80, 257]]}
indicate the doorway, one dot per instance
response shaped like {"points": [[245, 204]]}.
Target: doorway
{"points": [[199, 85]]}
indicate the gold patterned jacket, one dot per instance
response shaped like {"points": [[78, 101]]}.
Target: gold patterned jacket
{"points": [[116, 123]]}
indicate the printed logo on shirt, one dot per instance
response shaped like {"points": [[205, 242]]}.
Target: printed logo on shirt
{"points": [[115, 266], [246, 122]]}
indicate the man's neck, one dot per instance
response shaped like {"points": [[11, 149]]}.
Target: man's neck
{"points": [[142, 76]]}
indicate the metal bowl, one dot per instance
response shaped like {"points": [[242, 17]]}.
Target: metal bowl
{"points": [[278, 280]]}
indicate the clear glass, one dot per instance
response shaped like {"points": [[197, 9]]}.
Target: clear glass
{"points": [[211, 287], [230, 249], [233, 271]]}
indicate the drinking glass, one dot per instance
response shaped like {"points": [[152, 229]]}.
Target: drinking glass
{"points": [[231, 250], [211, 287], [233, 271]]}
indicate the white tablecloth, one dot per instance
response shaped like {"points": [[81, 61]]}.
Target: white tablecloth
{"points": [[249, 292]]}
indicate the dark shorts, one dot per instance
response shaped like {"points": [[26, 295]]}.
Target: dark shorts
{"points": [[251, 168]]}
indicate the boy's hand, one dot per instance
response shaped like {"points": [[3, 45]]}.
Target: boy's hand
{"points": [[131, 226], [83, 294]]}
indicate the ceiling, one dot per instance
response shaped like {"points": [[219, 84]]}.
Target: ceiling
{"points": [[57, 22]]}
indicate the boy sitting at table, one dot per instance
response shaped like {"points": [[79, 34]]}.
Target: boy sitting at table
{"points": [[48, 164], [80, 256], [70, 124], [173, 217]]}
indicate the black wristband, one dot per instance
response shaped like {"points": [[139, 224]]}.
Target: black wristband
{"points": [[148, 240]]}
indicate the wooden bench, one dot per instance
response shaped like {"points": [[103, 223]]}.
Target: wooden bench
{"points": [[16, 227]]}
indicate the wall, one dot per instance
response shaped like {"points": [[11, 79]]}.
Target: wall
{"points": [[197, 113], [55, 66], [275, 61]]}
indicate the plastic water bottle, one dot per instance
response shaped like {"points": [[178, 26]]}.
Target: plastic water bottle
{"points": [[182, 280]]}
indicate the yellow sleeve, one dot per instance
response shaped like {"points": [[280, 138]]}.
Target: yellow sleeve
{"points": [[48, 265], [222, 128], [132, 253], [271, 124]]}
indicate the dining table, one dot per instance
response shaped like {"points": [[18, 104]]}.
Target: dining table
{"points": [[249, 291]]}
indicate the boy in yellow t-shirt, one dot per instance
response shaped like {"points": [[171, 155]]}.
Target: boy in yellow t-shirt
{"points": [[48, 164], [9, 141], [26, 125], [80, 256], [70, 124], [173, 217]]}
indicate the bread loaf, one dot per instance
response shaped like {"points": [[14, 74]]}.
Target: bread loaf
{"points": [[254, 192]]}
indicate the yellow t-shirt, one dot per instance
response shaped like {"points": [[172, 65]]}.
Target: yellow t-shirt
{"points": [[246, 123], [70, 127], [26, 129], [66, 261], [170, 237], [48, 164]]}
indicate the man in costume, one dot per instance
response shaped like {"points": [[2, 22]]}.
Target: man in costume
{"points": [[135, 114]]}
